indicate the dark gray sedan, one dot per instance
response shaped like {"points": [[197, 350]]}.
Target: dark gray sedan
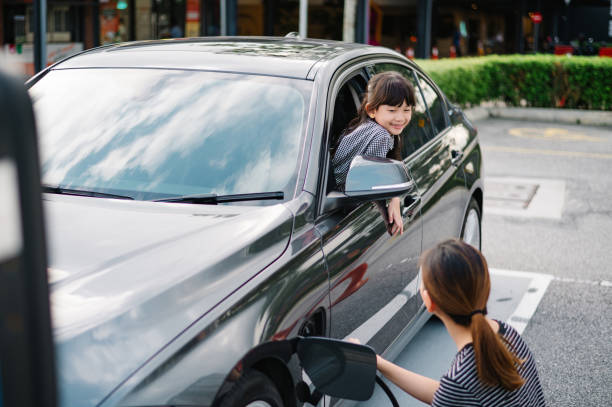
{"points": [[192, 225]]}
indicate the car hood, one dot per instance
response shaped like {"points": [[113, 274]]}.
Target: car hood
{"points": [[127, 277]]}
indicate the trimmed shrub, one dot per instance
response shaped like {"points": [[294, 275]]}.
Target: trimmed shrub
{"points": [[574, 82]]}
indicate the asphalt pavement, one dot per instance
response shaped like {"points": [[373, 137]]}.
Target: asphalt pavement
{"points": [[547, 235], [570, 333]]}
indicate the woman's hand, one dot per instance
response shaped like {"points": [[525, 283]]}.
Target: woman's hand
{"points": [[395, 216]]}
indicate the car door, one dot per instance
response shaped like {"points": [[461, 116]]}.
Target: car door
{"points": [[373, 285], [433, 153]]}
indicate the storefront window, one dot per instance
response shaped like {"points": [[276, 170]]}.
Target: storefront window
{"points": [[114, 21], [212, 17], [285, 17], [250, 17], [326, 19]]}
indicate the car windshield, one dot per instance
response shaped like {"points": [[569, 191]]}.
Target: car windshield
{"points": [[152, 133]]}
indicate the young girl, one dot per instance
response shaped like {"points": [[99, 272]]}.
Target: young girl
{"points": [[493, 366], [384, 113]]}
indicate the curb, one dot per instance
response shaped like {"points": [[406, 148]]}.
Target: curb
{"points": [[568, 116]]}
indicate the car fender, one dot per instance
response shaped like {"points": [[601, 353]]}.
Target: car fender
{"points": [[209, 357]]}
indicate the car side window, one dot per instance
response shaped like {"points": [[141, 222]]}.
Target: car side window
{"points": [[434, 103], [419, 131]]}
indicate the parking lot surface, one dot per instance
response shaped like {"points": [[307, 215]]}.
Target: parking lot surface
{"points": [[547, 221]]}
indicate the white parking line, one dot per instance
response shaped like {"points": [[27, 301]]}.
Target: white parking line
{"points": [[531, 298], [602, 283]]}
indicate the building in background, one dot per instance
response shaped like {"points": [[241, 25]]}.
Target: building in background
{"points": [[453, 27]]}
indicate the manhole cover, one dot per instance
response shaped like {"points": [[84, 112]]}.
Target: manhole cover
{"points": [[501, 194], [524, 197]]}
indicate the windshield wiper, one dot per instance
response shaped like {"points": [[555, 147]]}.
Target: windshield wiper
{"points": [[80, 192], [215, 199]]}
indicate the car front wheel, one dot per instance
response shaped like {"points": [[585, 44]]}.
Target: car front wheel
{"points": [[253, 389], [470, 232]]}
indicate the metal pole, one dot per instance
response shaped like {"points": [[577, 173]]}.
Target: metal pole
{"points": [[303, 28], [40, 35], [223, 17], [362, 30], [424, 10], [536, 29]]}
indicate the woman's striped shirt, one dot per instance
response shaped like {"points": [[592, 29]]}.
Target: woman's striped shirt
{"points": [[460, 386]]}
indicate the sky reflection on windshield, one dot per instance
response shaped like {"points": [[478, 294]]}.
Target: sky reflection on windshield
{"points": [[154, 132]]}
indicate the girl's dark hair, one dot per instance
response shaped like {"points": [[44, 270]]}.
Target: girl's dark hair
{"points": [[456, 278], [385, 88]]}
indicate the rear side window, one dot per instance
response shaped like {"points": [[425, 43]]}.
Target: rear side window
{"points": [[420, 129], [434, 103]]}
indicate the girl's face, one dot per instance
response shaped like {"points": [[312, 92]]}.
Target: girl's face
{"points": [[393, 118]]}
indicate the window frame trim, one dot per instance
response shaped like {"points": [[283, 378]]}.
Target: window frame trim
{"points": [[343, 74]]}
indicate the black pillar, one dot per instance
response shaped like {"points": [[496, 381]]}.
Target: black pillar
{"points": [[270, 7], [132, 17], [520, 34], [96, 24], [40, 35], [231, 14], [555, 24], [202, 18], [362, 26], [423, 28]]}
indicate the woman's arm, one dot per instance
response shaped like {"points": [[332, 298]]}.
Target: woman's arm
{"points": [[419, 387]]}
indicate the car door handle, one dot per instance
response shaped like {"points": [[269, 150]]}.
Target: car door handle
{"points": [[456, 156], [410, 203]]}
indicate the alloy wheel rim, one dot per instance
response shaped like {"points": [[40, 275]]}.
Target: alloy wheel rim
{"points": [[471, 231], [259, 403]]}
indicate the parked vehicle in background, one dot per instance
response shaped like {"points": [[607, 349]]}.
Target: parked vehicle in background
{"points": [[192, 227]]}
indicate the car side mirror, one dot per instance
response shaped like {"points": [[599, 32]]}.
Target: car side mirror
{"points": [[371, 179], [374, 178], [338, 369]]}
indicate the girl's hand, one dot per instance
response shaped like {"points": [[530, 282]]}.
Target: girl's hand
{"points": [[395, 216]]}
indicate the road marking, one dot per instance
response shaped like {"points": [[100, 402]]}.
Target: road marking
{"points": [[553, 134], [602, 283], [531, 298], [562, 153], [547, 202]]}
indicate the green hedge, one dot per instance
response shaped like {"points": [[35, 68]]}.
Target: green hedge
{"points": [[525, 80]]}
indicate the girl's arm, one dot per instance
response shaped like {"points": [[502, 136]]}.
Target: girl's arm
{"points": [[419, 387], [395, 216]]}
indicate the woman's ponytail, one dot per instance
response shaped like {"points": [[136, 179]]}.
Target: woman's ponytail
{"points": [[495, 363], [456, 277]]}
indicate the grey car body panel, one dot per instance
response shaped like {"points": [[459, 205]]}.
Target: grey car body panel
{"points": [[190, 296], [137, 262], [272, 306]]}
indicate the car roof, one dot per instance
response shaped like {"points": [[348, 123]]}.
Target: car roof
{"points": [[275, 56]]}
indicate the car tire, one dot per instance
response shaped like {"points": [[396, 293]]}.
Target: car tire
{"points": [[471, 229], [253, 389]]}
